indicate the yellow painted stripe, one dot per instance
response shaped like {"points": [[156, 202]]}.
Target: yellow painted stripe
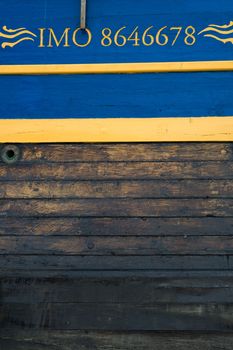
{"points": [[153, 67], [117, 130]]}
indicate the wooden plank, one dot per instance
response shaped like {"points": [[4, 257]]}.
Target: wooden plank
{"points": [[117, 171], [114, 273], [118, 152], [207, 226], [29, 284], [98, 245], [117, 207], [118, 189], [116, 290], [15, 339], [65, 265], [94, 316]]}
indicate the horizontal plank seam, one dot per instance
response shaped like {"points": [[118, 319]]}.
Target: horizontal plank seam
{"points": [[126, 161], [174, 236], [141, 217], [112, 161], [26, 198], [128, 256]]}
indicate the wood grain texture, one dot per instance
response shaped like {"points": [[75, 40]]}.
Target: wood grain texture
{"points": [[86, 340], [117, 290], [134, 152], [117, 208], [117, 171], [121, 246], [116, 237], [68, 266], [118, 189], [89, 226], [95, 316]]}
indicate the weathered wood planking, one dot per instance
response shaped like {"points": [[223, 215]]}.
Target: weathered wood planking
{"points": [[134, 152], [81, 266], [116, 237], [118, 290], [118, 171], [69, 340], [122, 246], [118, 189], [117, 316], [90, 226], [117, 207]]}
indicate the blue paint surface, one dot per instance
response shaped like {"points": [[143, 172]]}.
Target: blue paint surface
{"points": [[117, 96], [60, 14]]}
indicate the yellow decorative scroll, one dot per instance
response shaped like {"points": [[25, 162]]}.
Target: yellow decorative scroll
{"points": [[15, 33], [224, 31]]}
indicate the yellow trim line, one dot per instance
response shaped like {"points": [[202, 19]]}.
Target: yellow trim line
{"points": [[117, 130], [112, 68]]}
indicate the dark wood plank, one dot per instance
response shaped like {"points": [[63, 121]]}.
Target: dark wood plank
{"points": [[126, 152], [202, 283], [47, 273], [117, 170], [131, 264], [98, 245], [118, 189], [125, 317], [116, 290], [207, 226], [14, 339], [117, 207]]}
